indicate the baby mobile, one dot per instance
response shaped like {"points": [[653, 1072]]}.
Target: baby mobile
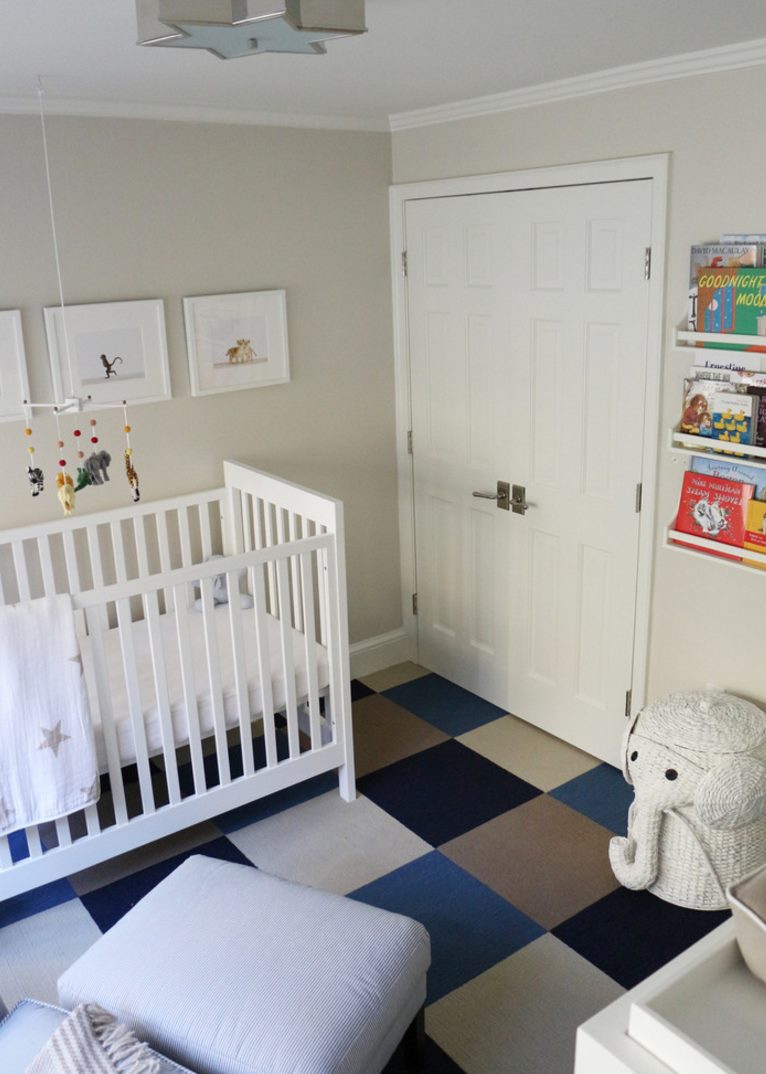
{"points": [[92, 469]]}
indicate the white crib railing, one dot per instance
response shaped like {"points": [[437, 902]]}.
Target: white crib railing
{"points": [[133, 575]]}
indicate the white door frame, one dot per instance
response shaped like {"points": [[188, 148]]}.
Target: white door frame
{"points": [[654, 168]]}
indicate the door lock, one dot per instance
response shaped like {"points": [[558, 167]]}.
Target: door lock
{"points": [[503, 495], [519, 500]]}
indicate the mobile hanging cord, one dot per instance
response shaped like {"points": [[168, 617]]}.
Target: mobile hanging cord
{"points": [[40, 93]]}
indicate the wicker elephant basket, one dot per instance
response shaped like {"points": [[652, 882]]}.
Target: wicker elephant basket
{"points": [[697, 762]]}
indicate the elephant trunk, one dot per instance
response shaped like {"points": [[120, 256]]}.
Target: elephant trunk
{"points": [[635, 860]]}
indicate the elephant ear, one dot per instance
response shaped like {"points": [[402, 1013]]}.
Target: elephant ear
{"points": [[626, 746], [733, 794]]}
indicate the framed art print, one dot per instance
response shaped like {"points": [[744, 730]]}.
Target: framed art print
{"points": [[109, 351], [236, 341], [14, 386]]}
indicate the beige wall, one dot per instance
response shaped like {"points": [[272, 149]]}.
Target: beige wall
{"points": [[148, 210], [707, 619]]}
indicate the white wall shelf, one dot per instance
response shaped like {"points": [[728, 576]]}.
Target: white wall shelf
{"points": [[705, 447], [713, 339]]}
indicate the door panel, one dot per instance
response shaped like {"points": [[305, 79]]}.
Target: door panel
{"points": [[527, 319]]}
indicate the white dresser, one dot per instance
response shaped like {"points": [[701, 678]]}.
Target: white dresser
{"points": [[703, 1013]]}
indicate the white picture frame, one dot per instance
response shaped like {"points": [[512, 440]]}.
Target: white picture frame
{"points": [[14, 383], [236, 341], [130, 336]]}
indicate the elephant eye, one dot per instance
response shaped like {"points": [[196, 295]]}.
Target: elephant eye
{"points": [[634, 755], [671, 774]]}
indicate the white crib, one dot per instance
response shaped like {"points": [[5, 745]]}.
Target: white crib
{"points": [[196, 712]]}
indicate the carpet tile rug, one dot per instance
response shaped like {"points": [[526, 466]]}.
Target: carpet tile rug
{"points": [[490, 832]]}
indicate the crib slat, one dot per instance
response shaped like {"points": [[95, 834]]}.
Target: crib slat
{"points": [[70, 559], [63, 833], [135, 707], [268, 520], [258, 587], [95, 619], [157, 649], [164, 548], [46, 566], [94, 549], [20, 566], [247, 522], [240, 676], [321, 585], [191, 705], [142, 555], [295, 571], [288, 661], [214, 680], [204, 529], [33, 841], [185, 535], [307, 578], [118, 545]]}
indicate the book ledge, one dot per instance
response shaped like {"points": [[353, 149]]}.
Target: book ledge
{"points": [[731, 555]]}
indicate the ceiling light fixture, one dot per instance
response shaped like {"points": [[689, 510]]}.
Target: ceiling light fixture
{"points": [[231, 28]]}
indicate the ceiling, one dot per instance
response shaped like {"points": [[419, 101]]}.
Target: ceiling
{"points": [[418, 55]]}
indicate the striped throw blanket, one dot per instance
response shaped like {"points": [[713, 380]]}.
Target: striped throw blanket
{"points": [[90, 1039]]}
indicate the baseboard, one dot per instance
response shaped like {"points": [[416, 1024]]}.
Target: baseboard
{"points": [[374, 654]]}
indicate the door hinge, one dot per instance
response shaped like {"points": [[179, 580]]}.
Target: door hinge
{"points": [[639, 497], [647, 263], [404, 262], [628, 703], [414, 604], [409, 441]]}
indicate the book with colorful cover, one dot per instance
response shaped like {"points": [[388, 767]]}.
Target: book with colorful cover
{"points": [[755, 532], [713, 508], [732, 301], [719, 255], [732, 414], [732, 470], [697, 409]]}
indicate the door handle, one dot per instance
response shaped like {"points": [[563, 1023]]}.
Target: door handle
{"points": [[519, 500], [503, 495]]}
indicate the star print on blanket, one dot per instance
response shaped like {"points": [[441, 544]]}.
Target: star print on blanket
{"points": [[48, 760]]}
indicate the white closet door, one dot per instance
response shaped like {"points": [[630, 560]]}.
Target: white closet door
{"points": [[528, 317]]}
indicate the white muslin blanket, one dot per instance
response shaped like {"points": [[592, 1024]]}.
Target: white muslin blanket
{"points": [[47, 752]]}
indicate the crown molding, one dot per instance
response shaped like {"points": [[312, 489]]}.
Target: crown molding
{"points": [[187, 114], [707, 61]]}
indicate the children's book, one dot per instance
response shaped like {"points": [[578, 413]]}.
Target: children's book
{"points": [[742, 239], [755, 532], [697, 410], [719, 255], [733, 300], [713, 508], [732, 470], [732, 414]]}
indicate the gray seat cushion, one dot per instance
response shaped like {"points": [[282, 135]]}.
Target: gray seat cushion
{"points": [[233, 971], [29, 1026]]}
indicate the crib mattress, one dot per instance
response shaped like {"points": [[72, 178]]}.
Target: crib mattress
{"points": [[199, 662]]}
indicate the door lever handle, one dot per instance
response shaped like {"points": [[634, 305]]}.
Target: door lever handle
{"points": [[503, 495]]}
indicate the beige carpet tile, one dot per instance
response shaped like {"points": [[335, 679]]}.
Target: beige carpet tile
{"points": [[384, 732], [521, 1016], [545, 858], [528, 752], [394, 676], [116, 868], [35, 951], [331, 844]]}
